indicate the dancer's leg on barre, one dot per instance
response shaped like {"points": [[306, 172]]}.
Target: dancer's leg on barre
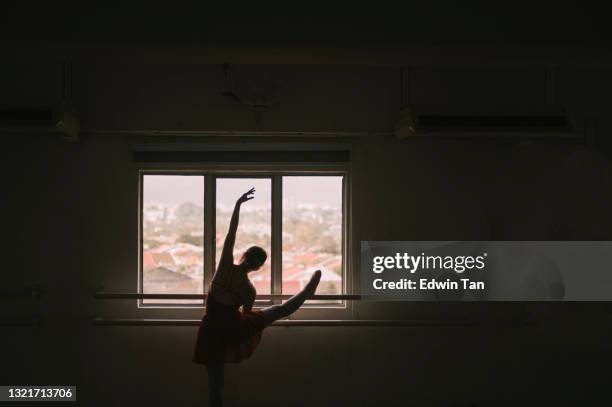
{"points": [[287, 308]]}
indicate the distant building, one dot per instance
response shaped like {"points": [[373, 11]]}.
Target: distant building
{"points": [[295, 279], [151, 260], [163, 280]]}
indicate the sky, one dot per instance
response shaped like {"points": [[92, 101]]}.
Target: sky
{"points": [[176, 189]]}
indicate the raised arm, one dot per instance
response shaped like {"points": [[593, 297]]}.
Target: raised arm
{"points": [[227, 255]]}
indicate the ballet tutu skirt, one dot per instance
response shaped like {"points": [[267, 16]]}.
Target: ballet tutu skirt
{"points": [[227, 335]]}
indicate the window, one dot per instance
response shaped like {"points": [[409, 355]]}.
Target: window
{"points": [[172, 257], [255, 227], [298, 217], [312, 232]]}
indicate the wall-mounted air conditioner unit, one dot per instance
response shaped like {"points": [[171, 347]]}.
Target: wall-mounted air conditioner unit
{"points": [[62, 121], [526, 121]]}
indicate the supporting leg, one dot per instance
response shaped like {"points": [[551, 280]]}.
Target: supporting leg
{"points": [[287, 308], [216, 378]]}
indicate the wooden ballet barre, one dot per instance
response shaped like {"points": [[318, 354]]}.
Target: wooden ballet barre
{"points": [[21, 293], [101, 294], [15, 322], [297, 322]]}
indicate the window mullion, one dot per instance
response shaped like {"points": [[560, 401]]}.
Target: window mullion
{"points": [[209, 229], [277, 233], [139, 303]]}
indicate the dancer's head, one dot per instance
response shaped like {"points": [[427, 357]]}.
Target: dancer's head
{"points": [[253, 258]]}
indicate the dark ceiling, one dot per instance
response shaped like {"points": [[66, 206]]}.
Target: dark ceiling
{"points": [[372, 24]]}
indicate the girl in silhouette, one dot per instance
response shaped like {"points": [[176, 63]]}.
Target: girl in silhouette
{"points": [[228, 334]]}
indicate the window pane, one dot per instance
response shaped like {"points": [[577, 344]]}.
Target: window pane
{"points": [[255, 223], [312, 232], [173, 236]]}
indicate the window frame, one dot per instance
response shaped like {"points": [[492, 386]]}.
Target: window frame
{"points": [[274, 172]]}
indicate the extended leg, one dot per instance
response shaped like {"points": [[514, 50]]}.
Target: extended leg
{"points": [[287, 308], [216, 378]]}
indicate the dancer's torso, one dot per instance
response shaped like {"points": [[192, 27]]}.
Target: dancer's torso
{"points": [[231, 287]]}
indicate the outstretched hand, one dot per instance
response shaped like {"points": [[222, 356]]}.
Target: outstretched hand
{"points": [[245, 197]]}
